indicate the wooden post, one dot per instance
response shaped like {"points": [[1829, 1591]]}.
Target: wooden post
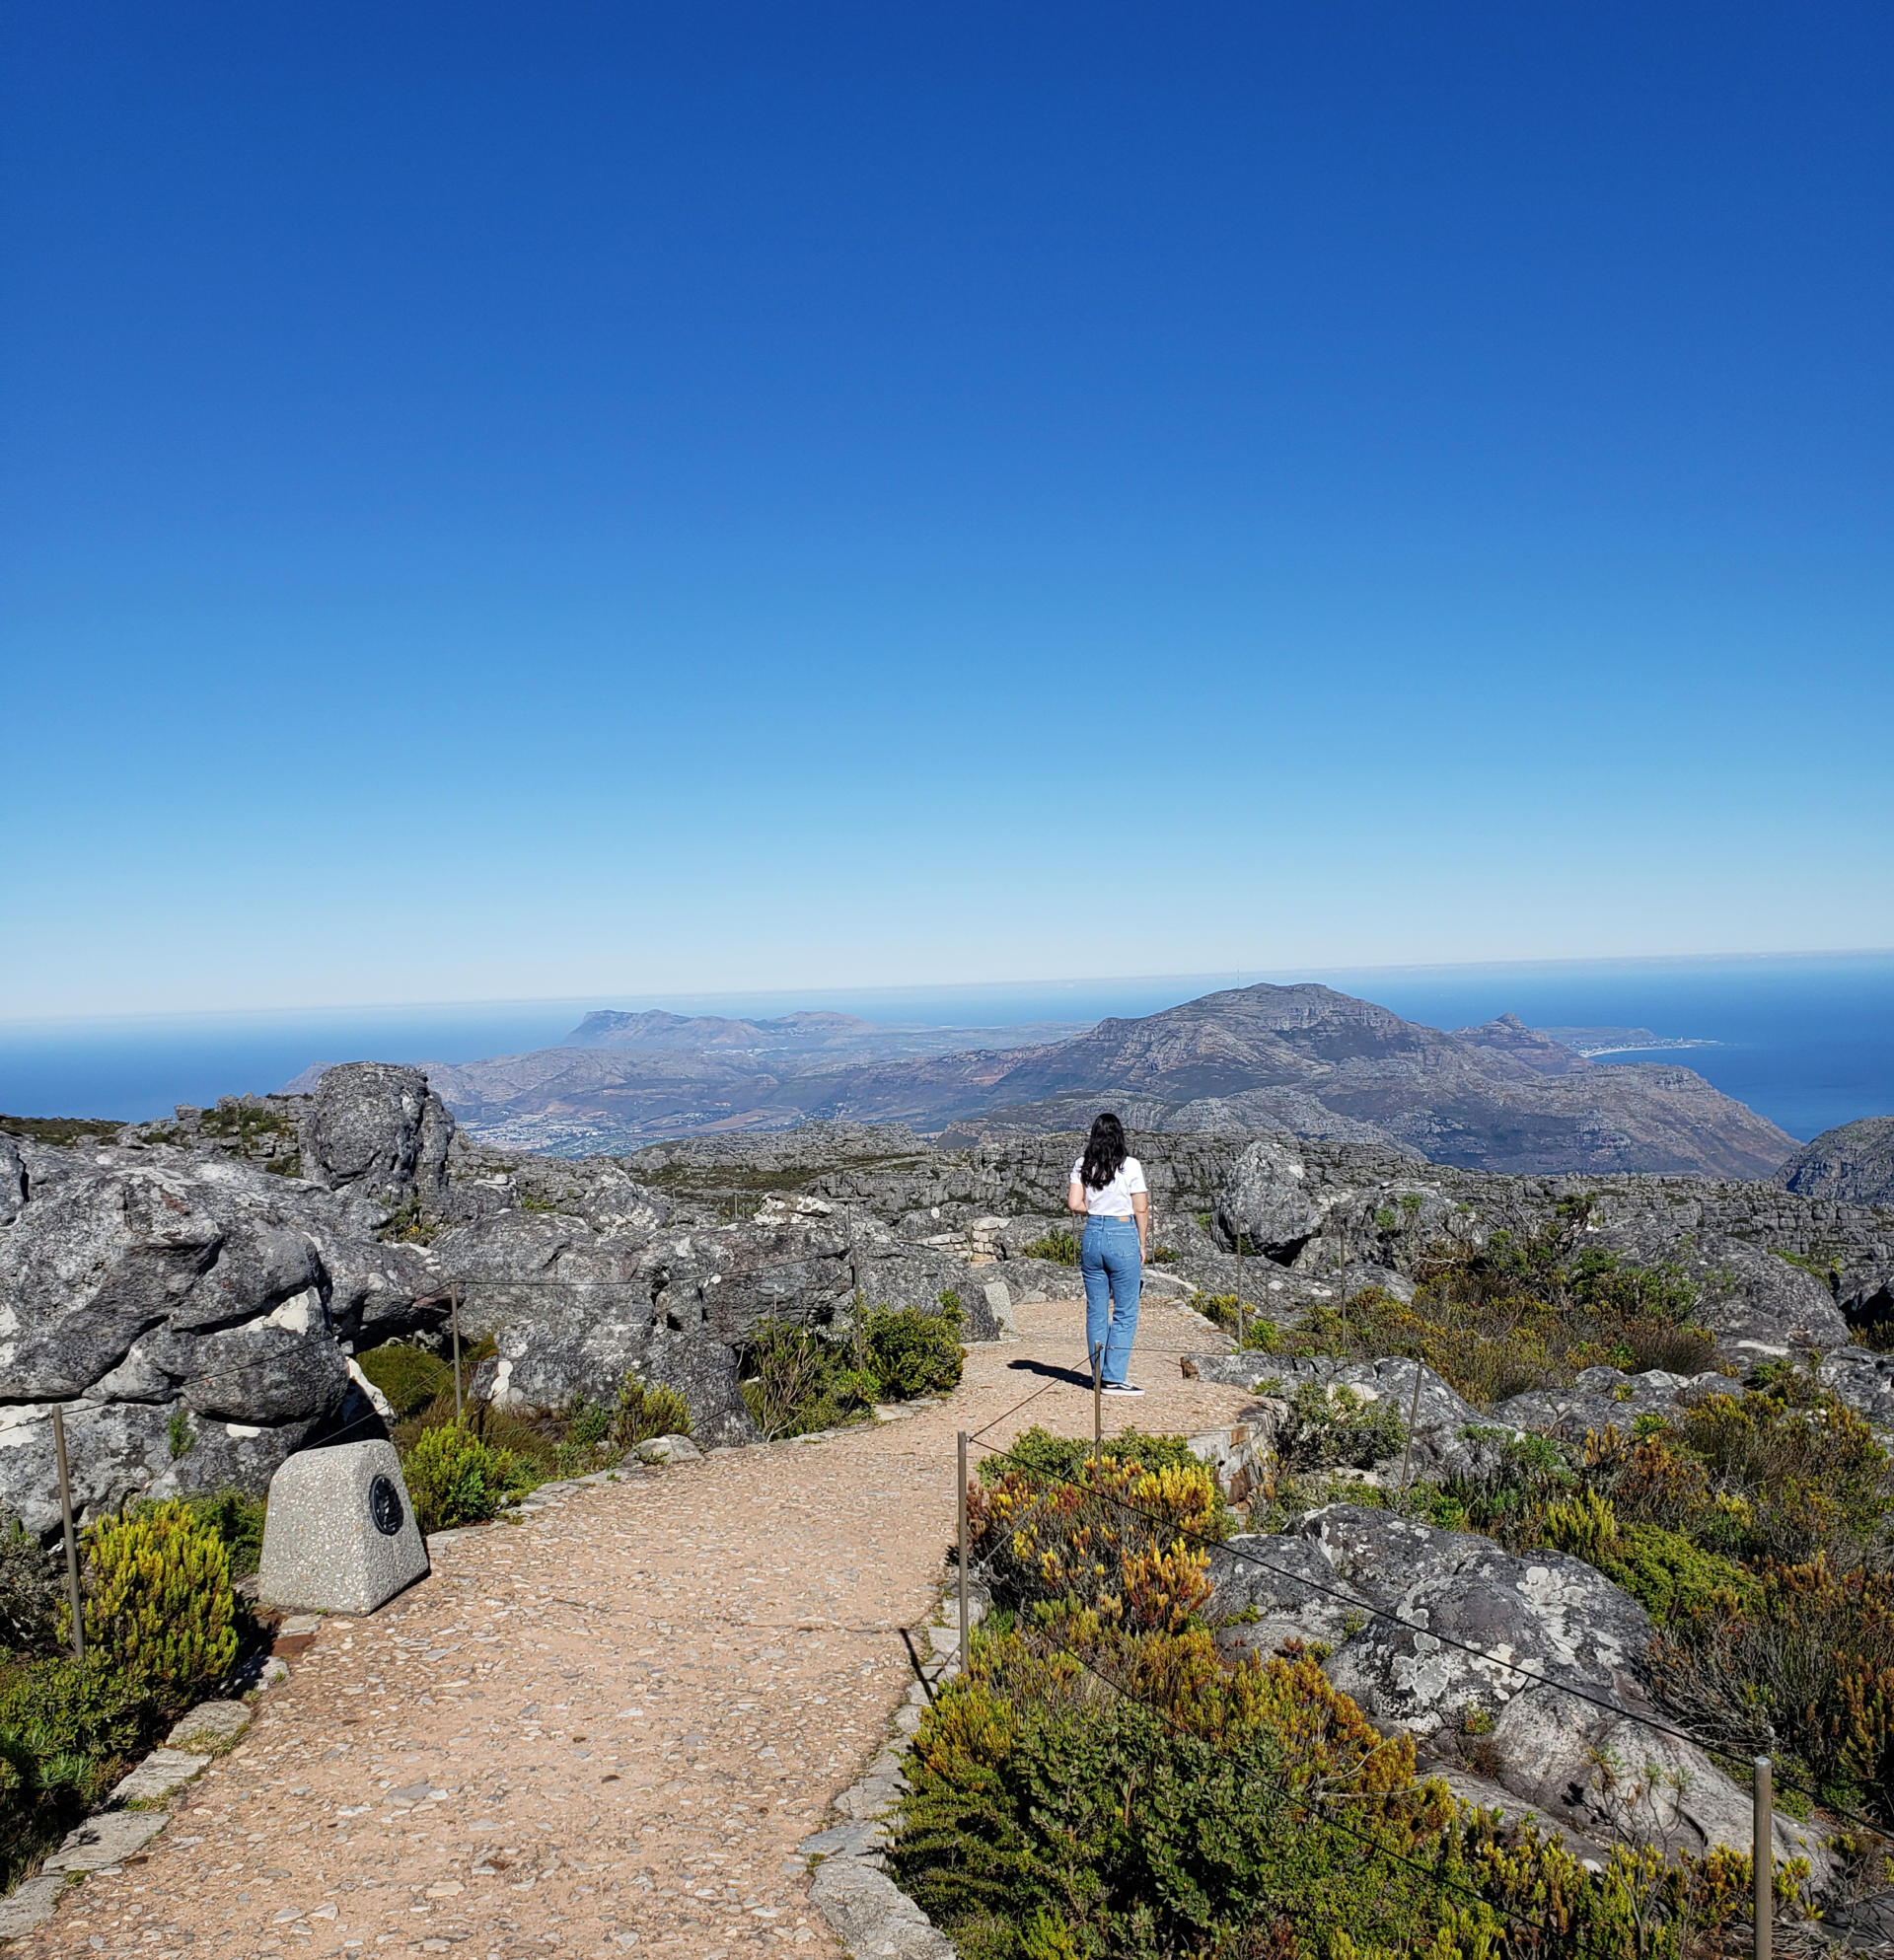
{"points": [[1763, 1858], [963, 1552], [1414, 1410], [72, 1543], [454, 1315]]}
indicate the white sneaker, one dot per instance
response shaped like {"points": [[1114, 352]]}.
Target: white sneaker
{"points": [[1122, 1388]]}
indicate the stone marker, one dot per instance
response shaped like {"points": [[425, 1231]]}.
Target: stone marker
{"points": [[340, 1536]]}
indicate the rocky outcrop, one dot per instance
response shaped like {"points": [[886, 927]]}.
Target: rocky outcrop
{"points": [[1853, 1162], [1434, 1415], [182, 1315], [1427, 1627], [1606, 1398], [377, 1133]]}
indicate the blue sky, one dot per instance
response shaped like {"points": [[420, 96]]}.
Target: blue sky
{"points": [[603, 499]]}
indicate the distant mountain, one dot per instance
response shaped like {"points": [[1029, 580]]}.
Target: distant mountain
{"points": [[656, 1029], [1853, 1162], [1306, 1059], [1501, 1097]]}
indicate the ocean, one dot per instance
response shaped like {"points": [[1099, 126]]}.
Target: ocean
{"points": [[1807, 1040]]}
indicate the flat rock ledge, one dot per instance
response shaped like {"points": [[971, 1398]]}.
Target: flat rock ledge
{"points": [[868, 1913]]}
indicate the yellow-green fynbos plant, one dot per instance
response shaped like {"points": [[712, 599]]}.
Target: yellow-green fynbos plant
{"points": [[158, 1598]]}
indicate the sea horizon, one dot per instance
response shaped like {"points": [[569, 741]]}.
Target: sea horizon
{"points": [[1805, 1039]]}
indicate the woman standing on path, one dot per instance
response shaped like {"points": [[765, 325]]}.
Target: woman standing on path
{"points": [[1108, 1188]]}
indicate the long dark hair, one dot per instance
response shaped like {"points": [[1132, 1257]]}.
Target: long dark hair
{"points": [[1104, 1151]]}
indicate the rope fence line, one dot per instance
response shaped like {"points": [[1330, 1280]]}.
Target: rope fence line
{"points": [[1281, 1787], [1762, 1767]]}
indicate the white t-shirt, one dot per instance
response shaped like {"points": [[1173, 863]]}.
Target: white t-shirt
{"points": [[1115, 1200]]}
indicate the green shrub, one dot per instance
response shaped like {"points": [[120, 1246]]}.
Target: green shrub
{"points": [[588, 1423], [1057, 1245], [910, 1352], [646, 1412], [237, 1519], [157, 1601], [1672, 1578], [67, 1732], [1045, 1456], [794, 1382], [1330, 1426], [409, 1376], [455, 1477], [31, 1586], [180, 1437], [90, 1709]]}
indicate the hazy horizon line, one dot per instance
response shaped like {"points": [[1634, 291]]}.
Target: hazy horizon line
{"points": [[1213, 980]]}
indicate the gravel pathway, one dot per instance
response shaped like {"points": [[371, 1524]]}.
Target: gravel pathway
{"points": [[607, 1728]]}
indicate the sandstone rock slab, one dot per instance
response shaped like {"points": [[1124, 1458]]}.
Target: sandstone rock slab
{"points": [[162, 1773], [108, 1839], [340, 1536], [210, 1728]]}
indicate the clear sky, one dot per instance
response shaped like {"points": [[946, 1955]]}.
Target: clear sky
{"points": [[504, 500]]}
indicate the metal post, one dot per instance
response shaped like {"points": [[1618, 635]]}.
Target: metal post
{"points": [[963, 1552], [1098, 1404], [454, 1315], [72, 1543], [1763, 1860]]}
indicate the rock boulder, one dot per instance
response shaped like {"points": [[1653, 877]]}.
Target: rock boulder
{"points": [[1427, 1627]]}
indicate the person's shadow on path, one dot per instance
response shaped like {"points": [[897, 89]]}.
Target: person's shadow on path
{"points": [[1077, 1376]]}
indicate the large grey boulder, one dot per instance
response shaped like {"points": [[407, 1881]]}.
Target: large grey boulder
{"points": [[1864, 1380], [377, 1133], [1266, 1198], [181, 1318], [1426, 1625]]}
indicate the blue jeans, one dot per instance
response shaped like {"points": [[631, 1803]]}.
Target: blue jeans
{"points": [[1114, 1269]]}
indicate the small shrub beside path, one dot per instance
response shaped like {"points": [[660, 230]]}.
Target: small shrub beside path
{"points": [[635, 1704]]}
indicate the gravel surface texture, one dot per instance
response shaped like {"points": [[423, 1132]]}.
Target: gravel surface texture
{"points": [[606, 1728]]}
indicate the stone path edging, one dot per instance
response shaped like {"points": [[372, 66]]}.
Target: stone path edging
{"points": [[868, 1913]]}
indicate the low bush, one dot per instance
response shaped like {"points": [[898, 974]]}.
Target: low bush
{"points": [[646, 1414], [1112, 1539], [910, 1352], [68, 1730], [1801, 1665], [1088, 1795], [158, 1602], [409, 1376], [1672, 1578], [794, 1382], [1061, 1247], [238, 1520], [32, 1588], [456, 1477], [1330, 1426], [1041, 1454]]}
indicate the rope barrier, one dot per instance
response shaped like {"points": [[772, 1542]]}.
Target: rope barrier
{"points": [[1354, 1602]]}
